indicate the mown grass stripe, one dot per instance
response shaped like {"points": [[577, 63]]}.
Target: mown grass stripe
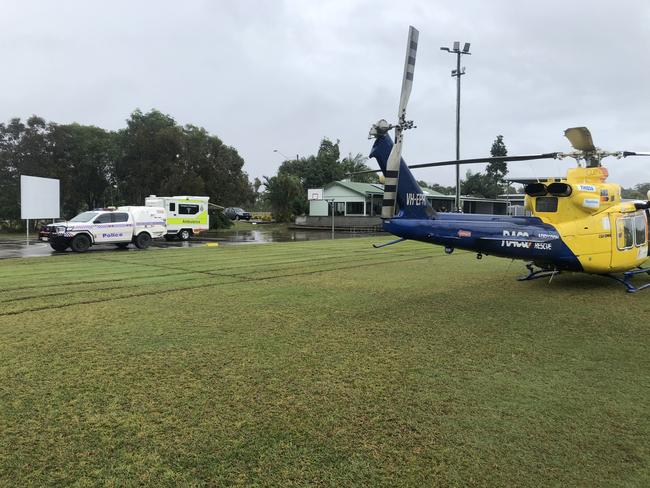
{"points": [[236, 279]]}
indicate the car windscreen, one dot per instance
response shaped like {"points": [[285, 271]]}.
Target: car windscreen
{"points": [[84, 217]]}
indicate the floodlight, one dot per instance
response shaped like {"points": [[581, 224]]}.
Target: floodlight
{"points": [[457, 73]]}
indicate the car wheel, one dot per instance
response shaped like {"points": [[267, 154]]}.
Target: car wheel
{"points": [[236, 217], [80, 243], [142, 240], [122, 245], [184, 234], [58, 245]]}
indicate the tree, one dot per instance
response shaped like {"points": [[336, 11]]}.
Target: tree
{"points": [[81, 157], [491, 184], [160, 157], [285, 195], [479, 185], [313, 171], [353, 164], [84, 158], [445, 190], [637, 192], [151, 145], [316, 171], [152, 155], [497, 170]]}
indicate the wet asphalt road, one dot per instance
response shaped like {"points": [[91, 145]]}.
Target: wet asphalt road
{"points": [[21, 248], [16, 246]]}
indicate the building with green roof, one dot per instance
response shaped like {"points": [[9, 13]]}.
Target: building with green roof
{"points": [[363, 199], [358, 205]]}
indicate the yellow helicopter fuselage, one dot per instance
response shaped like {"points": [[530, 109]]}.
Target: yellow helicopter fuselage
{"points": [[605, 233]]}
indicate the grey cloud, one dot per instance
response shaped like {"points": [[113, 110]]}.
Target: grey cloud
{"points": [[265, 75]]}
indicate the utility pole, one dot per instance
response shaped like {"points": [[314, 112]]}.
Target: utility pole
{"points": [[457, 73]]}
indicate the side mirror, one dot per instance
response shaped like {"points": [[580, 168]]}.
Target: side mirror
{"points": [[96, 221]]}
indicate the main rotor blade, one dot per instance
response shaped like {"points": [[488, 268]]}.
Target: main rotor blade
{"points": [[527, 157], [409, 68], [395, 157], [580, 138], [634, 153]]}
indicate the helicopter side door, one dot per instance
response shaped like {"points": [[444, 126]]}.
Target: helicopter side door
{"points": [[629, 240]]}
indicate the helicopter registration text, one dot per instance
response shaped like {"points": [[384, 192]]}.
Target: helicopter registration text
{"points": [[416, 199]]}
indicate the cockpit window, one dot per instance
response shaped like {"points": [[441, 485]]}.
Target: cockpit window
{"points": [[625, 233], [640, 229], [546, 204]]}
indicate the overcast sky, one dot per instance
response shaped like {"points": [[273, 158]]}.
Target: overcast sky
{"points": [[265, 75]]}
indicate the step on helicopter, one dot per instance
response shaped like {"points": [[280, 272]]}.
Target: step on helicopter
{"points": [[578, 223]]}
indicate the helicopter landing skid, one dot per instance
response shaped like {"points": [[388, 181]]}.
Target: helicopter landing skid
{"points": [[627, 276], [536, 274]]}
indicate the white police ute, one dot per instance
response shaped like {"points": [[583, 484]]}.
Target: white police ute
{"points": [[121, 226]]}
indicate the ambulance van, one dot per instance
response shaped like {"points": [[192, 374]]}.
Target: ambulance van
{"points": [[186, 216]]}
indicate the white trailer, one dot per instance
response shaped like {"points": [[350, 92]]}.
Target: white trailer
{"points": [[186, 215], [121, 226]]}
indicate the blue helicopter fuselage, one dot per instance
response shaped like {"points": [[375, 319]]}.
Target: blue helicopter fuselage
{"points": [[525, 238], [498, 235]]}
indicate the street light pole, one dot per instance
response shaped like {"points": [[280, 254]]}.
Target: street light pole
{"points": [[457, 73], [287, 158]]}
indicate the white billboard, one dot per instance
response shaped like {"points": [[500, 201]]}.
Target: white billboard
{"points": [[39, 198]]}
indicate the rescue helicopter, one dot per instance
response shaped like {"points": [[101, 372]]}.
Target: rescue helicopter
{"points": [[578, 223]]}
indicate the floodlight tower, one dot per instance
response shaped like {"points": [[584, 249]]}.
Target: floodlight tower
{"points": [[457, 73]]}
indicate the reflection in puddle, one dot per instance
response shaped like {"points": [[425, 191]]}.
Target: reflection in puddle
{"points": [[244, 233], [275, 233]]}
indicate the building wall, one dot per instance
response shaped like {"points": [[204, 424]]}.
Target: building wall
{"points": [[339, 194], [350, 223]]}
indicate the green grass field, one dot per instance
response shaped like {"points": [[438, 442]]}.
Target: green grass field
{"points": [[318, 363]]}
